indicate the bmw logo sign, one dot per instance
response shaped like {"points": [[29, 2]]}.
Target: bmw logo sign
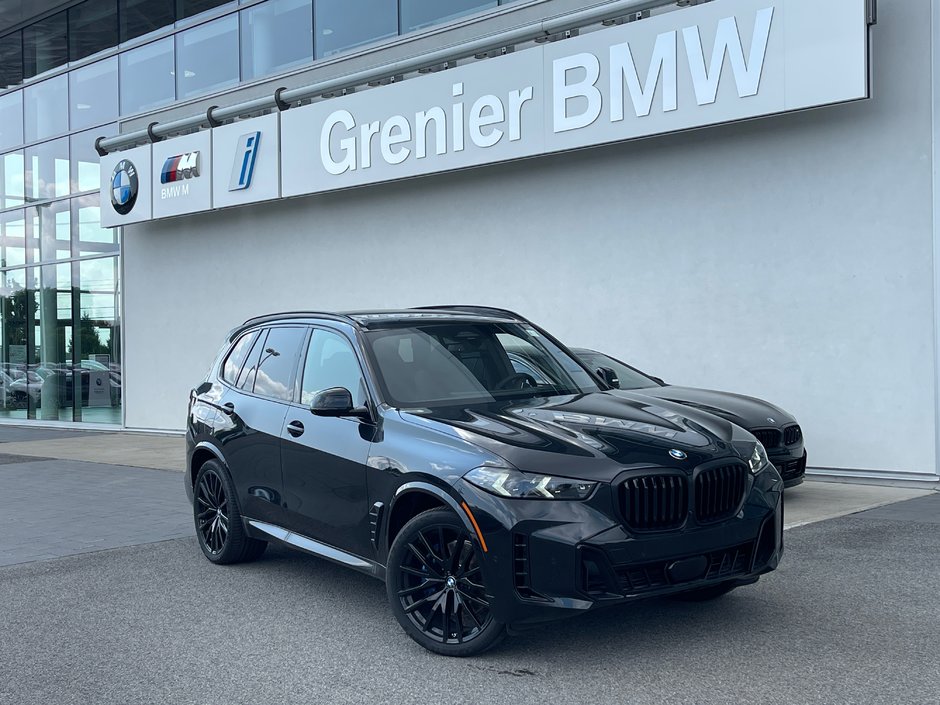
{"points": [[124, 186], [678, 454], [770, 420]]}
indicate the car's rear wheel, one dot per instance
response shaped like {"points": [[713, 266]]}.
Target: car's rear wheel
{"points": [[219, 527], [436, 589], [706, 593]]}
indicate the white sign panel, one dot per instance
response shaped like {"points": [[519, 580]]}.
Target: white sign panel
{"points": [[718, 62], [182, 178], [99, 388], [245, 162], [125, 187]]}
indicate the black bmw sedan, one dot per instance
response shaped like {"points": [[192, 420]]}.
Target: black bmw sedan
{"points": [[406, 445], [777, 430]]}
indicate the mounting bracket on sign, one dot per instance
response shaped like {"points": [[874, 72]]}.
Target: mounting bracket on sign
{"points": [[872, 12]]}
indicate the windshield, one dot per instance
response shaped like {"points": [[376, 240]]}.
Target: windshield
{"points": [[442, 364], [629, 377]]}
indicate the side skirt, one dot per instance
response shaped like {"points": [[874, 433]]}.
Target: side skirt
{"points": [[264, 530]]}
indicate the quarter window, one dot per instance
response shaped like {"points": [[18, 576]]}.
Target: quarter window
{"points": [[331, 362], [236, 358]]}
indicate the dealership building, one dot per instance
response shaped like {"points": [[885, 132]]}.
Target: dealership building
{"points": [[731, 194]]}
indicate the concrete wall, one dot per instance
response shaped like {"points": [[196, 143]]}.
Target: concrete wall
{"points": [[788, 258]]}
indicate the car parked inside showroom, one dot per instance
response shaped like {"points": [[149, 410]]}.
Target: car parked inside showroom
{"points": [[405, 445], [776, 429]]}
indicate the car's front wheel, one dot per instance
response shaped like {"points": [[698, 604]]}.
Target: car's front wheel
{"points": [[436, 589], [219, 528]]}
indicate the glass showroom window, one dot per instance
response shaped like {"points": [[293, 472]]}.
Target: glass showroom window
{"points": [[47, 108], [45, 45], [86, 176], [190, 8], [12, 179], [50, 225], [418, 14], [47, 170], [207, 57], [346, 24], [12, 238], [97, 341], [11, 60], [93, 94], [88, 237], [11, 120], [148, 77], [93, 27], [140, 17], [275, 36]]}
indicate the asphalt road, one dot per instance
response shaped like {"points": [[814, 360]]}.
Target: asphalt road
{"points": [[852, 616]]}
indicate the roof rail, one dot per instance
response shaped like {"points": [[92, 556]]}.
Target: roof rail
{"points": [[299, 314], [472, 309]]}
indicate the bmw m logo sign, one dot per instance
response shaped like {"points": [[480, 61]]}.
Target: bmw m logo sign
{"points": [[179, 167], [124, 185]]}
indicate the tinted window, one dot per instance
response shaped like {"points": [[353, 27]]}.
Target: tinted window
{"points": [[45, 45], [93, 94], [331, 362], [278, 360], [629, 378], [291, 21], [147, 77], [139, 17], [435, 364], [346, 24], [236, 358], [93, 27], [11, 120], [47, 170], [11, 60], [46, 106], [417, 14], [246, 379], [207, 57], [188, 8]]}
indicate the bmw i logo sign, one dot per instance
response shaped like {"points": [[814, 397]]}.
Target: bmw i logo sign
{"points": [[678, 454], [124, 186]]}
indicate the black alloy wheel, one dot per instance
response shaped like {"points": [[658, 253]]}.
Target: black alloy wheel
{"points": [[436, 589], [219, 527]]}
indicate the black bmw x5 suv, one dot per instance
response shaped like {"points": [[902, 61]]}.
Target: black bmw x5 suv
{"points": [[405, 445]]}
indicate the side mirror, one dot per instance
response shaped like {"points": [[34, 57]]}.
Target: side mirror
{"points": [[336, 401], [609, 376]]}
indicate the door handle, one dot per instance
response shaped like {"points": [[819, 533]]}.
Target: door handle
{"points": [[295, 428]]}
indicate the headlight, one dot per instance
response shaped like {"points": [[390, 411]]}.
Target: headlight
{"points": [[758, 458], [512, 483]]}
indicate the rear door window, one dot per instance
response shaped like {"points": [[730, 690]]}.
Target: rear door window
{"points": [[246, 378], [277, 363]]}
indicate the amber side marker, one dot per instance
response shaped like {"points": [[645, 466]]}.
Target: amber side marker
{"points": [[476, 526]]}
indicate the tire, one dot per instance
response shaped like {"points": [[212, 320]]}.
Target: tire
{"points": [[218, 521], [705, 594], [435, 586]]}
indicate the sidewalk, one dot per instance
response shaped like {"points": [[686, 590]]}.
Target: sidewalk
{"points": [[805, 504]]}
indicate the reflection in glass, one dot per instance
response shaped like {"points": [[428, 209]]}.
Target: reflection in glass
{"points": [[12, 238], [93, 93], [345, 24], [49, 380], [418, 14], [147, 77], [140, 17], [11, 120], [13, 332], [11, 60], [188, 8], [275, 36], [207, 57], [86, 176], [12, 184], [45, 45], [47, 170], [90, 238], [50, 225], [47, 108], [93, 27], [97, 344]]}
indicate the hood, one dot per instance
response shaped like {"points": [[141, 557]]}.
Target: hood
{"points": [[739, 409], [590, 436]]}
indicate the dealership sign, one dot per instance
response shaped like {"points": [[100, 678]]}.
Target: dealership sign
{"points": [[719, 62]]}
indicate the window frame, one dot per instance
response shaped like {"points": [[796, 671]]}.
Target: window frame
{"points": [[369, 400], [265, 331], [231, 350]]}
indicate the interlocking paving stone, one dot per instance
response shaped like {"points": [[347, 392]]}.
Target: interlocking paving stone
{"points": [[55, 508]]}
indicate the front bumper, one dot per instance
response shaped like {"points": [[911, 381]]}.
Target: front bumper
{"points": [[551, 559], [790, 463]]}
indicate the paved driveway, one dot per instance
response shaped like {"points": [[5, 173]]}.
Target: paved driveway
{"points": [[852, 616]]}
